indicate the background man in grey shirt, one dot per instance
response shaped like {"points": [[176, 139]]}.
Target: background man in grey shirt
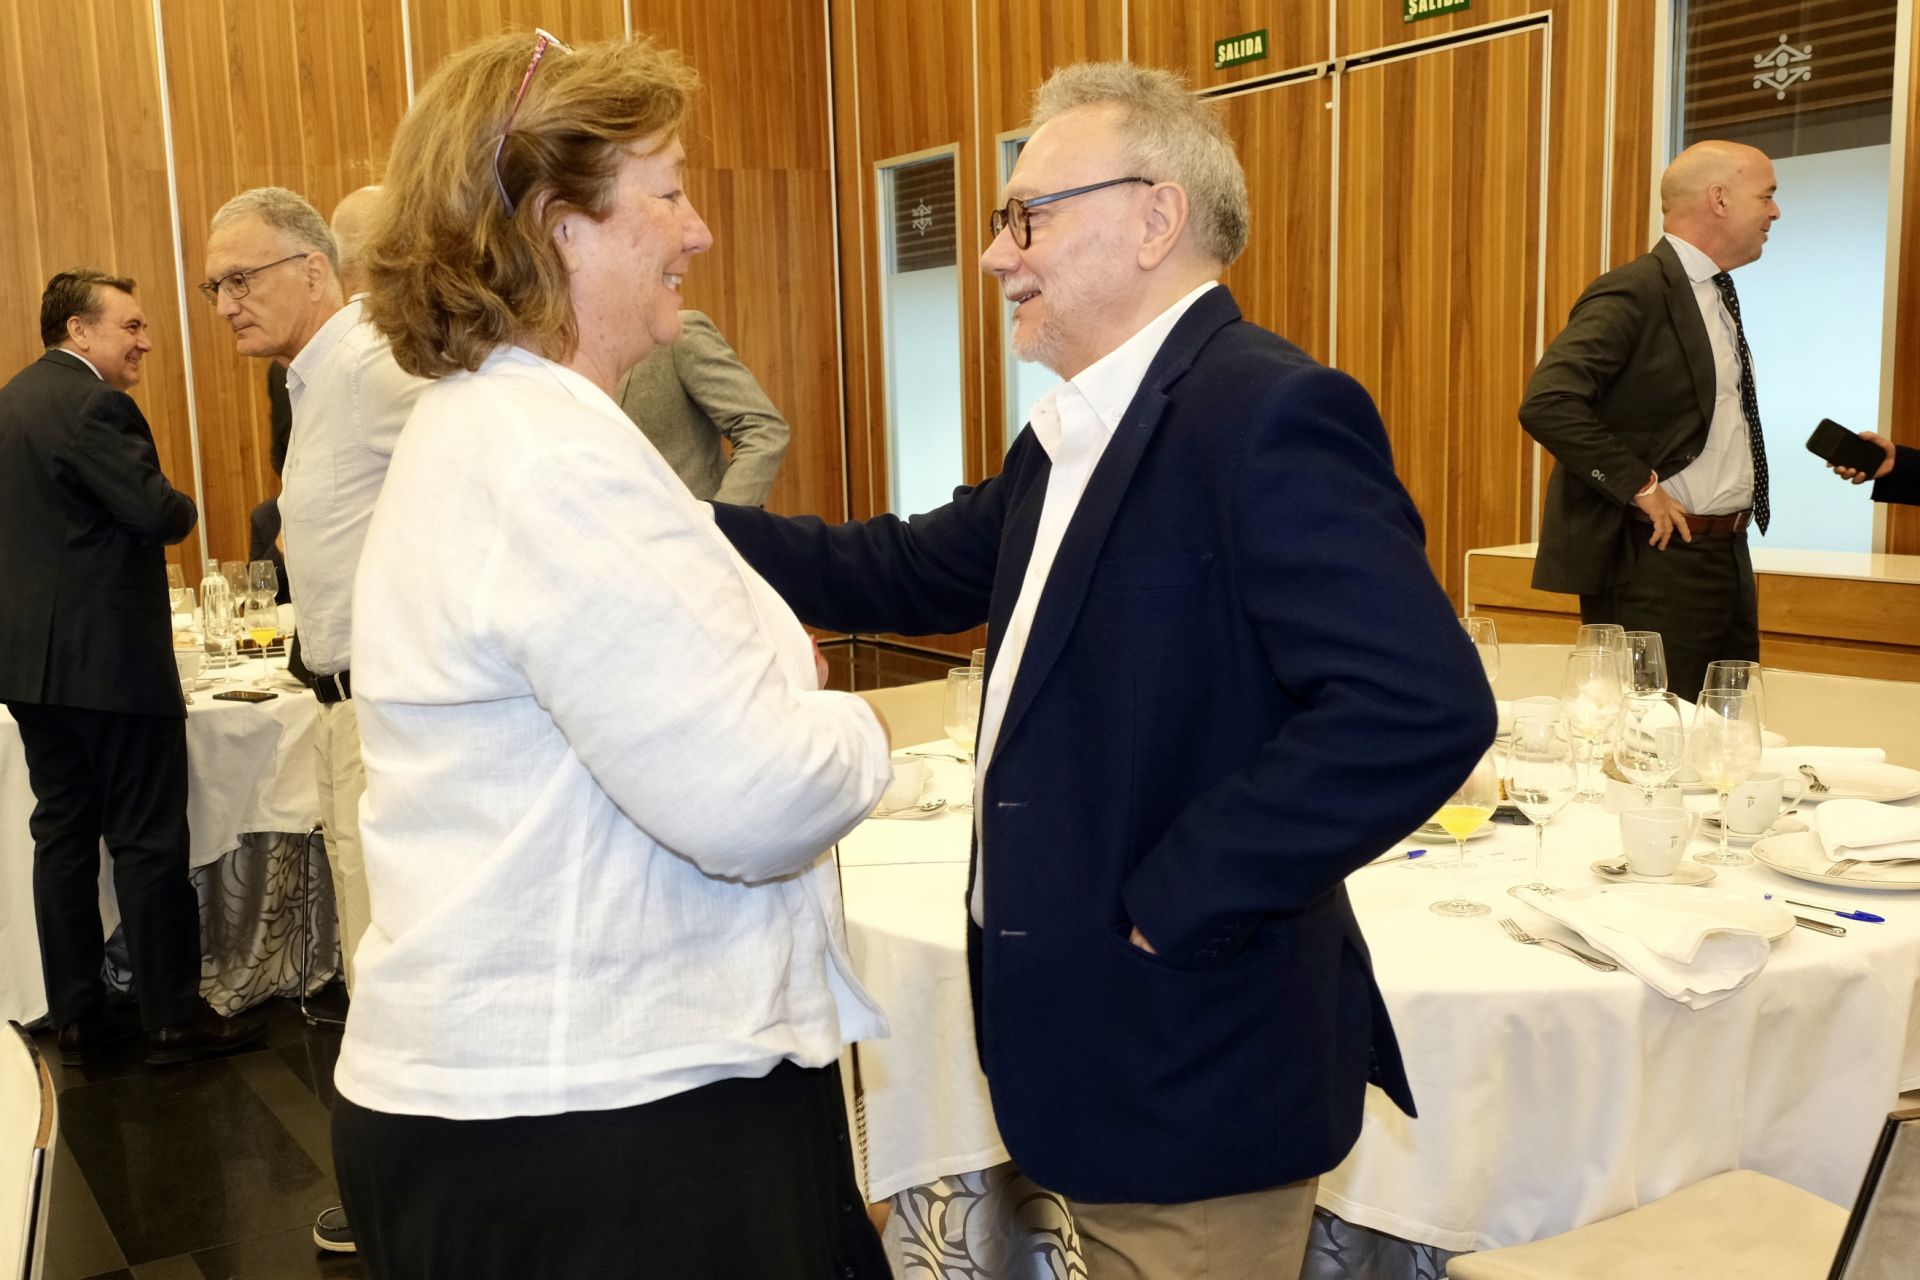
{"points": [[687, 396]]}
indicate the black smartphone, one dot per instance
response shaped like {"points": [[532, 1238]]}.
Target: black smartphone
{"points": [[1842, 448], [245, 695]]}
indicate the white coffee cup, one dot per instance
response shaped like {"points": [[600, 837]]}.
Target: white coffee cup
{"points": [[1760, 801], [909, 780], [1623, 797], [1654, 839]]}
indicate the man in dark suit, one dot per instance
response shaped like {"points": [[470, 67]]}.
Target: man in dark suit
{"points": [[1220, 678], [1647, 403], [1895, 480], [86, 669]]}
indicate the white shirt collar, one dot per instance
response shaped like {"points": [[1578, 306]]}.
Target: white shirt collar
{"points": [[325, 339], [1109, 384], [1693, 260], [82, 359]]}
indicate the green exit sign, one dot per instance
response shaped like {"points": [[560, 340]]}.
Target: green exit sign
{"points": [[1418, 9], [1235, 50]]}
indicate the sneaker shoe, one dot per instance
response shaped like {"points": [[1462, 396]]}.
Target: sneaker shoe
{"points": [[207, 1036], [332, 1233]]}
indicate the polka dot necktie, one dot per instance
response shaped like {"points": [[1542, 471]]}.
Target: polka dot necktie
{"points": [[1749, 402]]}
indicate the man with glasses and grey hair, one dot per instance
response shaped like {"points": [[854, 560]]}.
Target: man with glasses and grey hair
{"points": [[273, 275], [1220, 678]]}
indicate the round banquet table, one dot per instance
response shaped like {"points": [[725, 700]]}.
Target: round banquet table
{"points": [[1550, 1095], [251, 791]]}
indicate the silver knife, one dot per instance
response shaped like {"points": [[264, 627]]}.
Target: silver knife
{"points": [[1820, 926]]}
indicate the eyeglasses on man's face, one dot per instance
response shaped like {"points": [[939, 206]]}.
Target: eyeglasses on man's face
{"points": [[237, 284], [1012, 216]]}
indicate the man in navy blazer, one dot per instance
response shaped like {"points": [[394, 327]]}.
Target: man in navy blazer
{"points": [[1897, 479], [87, 671], [1221, 677]]}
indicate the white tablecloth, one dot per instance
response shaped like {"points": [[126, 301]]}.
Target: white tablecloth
{"points": [[1550, 1095], [250, 769]]}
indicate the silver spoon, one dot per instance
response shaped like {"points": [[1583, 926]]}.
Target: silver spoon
{"points": [[920, 810]]}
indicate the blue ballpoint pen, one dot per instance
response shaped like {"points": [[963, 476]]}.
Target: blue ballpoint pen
{"points": [[1865, 917]]}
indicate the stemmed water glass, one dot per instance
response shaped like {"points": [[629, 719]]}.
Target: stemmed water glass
{"points": [[1737, 674], [1646, 670], [1464, 813], [1486, 643], [263, 580], [1652, 742], [1725, 749], [1589, 702], [961, 716], [1540, 776]]}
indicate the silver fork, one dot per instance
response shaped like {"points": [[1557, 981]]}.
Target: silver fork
{"points": [[1841, 867], [1813, 780], [1520, 935]]}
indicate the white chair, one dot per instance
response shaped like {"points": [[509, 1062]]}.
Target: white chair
{"points": [[1846, 711], [914, 712], [29, 1125], [1741, 1224], [1530, 669]]}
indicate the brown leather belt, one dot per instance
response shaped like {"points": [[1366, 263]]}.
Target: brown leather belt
{"points": [[1735, 523]]}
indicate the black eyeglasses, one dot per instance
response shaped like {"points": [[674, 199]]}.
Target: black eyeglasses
{"points": [[238, 284], [1013, 216], [543, 40]]}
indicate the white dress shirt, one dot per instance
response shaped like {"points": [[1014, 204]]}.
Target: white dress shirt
{"points": [[82, 359], [1073, 423], [600, 776], [1720, 480], [349, 402]]}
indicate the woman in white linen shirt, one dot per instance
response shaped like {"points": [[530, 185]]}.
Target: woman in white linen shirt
{"points": [[601, 1000]]}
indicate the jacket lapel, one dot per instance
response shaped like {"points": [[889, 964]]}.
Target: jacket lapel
{"points": [[1072, 570], [1684, 309]]}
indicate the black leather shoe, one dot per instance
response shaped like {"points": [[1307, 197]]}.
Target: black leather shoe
{"points": [[79, 1042], [208, 1035]]}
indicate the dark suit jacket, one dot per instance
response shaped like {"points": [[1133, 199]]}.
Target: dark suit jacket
{"points": [[1241, 683], [1902, 484], [1626, 389], [84, 515]]}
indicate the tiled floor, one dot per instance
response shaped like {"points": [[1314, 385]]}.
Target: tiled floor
{"points": [[207, 1172]]}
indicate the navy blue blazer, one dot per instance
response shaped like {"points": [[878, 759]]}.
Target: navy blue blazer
{"points": [[1242, 682], [1902, 484]]}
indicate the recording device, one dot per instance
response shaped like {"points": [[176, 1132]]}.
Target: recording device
{"points": [[1842, 448], [245, 695]]}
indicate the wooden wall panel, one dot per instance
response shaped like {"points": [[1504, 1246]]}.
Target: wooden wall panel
{"points": [[1636, 135], [1285, 140], [1180, 34], [83, 182], [266, 93], [1439, 236], [760, 170], [1361, 26], [1903, 523], [1022, 42], [442, 26]]}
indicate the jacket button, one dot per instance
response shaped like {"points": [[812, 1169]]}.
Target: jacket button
{"points": [[1601, 476]]}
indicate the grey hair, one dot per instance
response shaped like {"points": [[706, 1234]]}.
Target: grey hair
{"points": [[286, 211], [1171, 136]]}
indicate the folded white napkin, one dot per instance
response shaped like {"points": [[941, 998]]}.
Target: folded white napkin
{"points": [[1789, 759], [1868, 830], [1690, 947]]}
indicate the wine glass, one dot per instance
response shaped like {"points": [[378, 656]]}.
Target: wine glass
{"points": [[1733, 673], [262, 621], [1464, 813], [1540, 775], [263, 580], [176, 580], [1646, 662], [977, 659], [235, 572], [1725, 749], [1589, 702], [1486, 643], [961, 715], [1652, 742]]}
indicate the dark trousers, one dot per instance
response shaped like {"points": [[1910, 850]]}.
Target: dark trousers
{"points": [[123, 777], [1698, 595], [738, 1180]]}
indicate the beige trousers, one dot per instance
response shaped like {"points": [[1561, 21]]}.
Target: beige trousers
{"points": [[342, 781], [1261, 1235]]}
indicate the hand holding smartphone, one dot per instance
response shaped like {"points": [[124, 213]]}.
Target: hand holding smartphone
{"points": [[1842, 448]]}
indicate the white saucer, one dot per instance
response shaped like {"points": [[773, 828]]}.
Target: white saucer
{"points": [[1687, 873], [1710, 824]]}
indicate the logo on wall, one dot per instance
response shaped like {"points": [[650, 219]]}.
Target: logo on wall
{"points": [[1787, 71], [922, 217]]}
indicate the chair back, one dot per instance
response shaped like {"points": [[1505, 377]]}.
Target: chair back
{"points": [[1846, 711], [1530, 669], [29, 1123], [1882, 1240], [914, 713]]}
